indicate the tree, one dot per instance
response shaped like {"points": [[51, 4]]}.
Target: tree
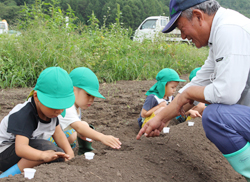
{"points": [[21, 2], [9, 11], [127, 17], [133, 11]]}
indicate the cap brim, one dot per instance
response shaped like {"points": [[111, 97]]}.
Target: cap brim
{"points": [[94, 93], [56, 103], [63, 113], [171, 24], [180, 80]]}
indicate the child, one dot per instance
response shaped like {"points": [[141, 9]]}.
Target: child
{"points": [[199, 107], [159, 95], [25, 130], [86, 88]]}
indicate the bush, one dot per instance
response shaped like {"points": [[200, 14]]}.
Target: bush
{"points": [[47, 41]]}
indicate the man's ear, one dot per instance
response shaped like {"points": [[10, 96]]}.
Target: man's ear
{"points": [[199, 15]]}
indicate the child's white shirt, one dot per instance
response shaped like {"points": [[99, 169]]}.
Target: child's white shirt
{"points": [[170, 98], [72, 115]]}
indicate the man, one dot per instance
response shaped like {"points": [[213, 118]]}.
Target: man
{"points": [[223, 81]]}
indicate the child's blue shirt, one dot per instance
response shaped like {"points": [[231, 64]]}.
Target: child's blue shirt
{"points": [[150, 102]]}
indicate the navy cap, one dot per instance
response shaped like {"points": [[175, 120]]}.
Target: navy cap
{"points": [[175, 8]]}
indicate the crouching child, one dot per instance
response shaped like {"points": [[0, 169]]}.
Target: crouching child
{"points": [[25, 130], [86, 88]]}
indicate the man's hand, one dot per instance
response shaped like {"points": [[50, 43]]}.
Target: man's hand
{"points": [[152, 128]]}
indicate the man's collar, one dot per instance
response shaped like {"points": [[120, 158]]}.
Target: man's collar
{"points": [[215, 22]]}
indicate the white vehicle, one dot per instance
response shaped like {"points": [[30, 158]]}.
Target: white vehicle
{"points": [[151, 29], [3, 27]]}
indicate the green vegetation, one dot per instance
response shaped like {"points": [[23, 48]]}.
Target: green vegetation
{"points": [[241, 6], [133, 11], [108, 51]]}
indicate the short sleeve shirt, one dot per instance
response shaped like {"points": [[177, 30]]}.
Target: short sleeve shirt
{"points": [[72, 115], [24, 120]]}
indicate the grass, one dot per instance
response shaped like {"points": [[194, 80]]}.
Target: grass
{"points": [[107, 51]]}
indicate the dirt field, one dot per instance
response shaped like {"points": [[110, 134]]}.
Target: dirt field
{"points": [[184, 154]]}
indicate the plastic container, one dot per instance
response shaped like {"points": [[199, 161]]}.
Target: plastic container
{"points": [[29, 173], [190, 123], [166, 130], [89, 140], [89, 155]]}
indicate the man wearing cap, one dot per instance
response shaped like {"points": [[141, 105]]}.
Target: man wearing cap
{"points": [[223, 81]]}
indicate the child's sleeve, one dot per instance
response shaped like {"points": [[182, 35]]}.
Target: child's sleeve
{"points": [[150, 102], [70, 117], [196, 103], [22, 122]]}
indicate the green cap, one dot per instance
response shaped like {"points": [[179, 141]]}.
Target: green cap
{"points": [[163, 77], [86, 79], [55, 89], [193, 73]]}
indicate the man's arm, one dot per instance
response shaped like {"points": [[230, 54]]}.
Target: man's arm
{"points": [[146, 113], [192, 93]]}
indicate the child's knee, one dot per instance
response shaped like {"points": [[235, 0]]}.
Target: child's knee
{"points": [[72, 137], [43, 145]]}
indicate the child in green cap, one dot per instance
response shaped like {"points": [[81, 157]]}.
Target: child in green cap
{"points": [[86, 88], [159, 95], [199, 107], [25, 130]]}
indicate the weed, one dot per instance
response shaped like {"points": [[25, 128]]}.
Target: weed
{"points": [[108, 51]]}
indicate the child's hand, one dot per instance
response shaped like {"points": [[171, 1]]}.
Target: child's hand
{"points": [[71, 156], [50, 155], [163, 104], [111, 141], [194, 113]]}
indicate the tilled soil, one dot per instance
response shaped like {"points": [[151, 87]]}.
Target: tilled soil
{"points": [[184, 154]]}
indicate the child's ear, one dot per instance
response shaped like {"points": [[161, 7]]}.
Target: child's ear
{"points": [[75, 90], [35, 96]]}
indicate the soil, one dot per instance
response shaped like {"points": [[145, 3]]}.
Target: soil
{"points": [[184, 154]]}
